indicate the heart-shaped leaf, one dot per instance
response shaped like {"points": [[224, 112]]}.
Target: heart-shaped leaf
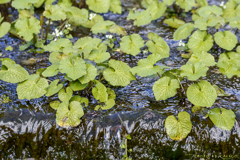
{"points": [[98, 56], [174, 22], [183, 31], [98, 6], [202, 94], [54, 12], [4, 28], [91, 74], [51, 71], [102, 27], [78, 86], [12, 72], [23, 4], [118, 73], [223, 119], [202, 3], [203, 57], [208, 10], [118, 30], [55, 104], [34, 87], [156, 10], [132, 44], [115, 6], [165, 88], [200, 41], [226, 40], [76, 16], [65, 96], [100, 92], [58, 46], [178, 129], [187, 5], [141, 18], [169, 2], [54, 88]]}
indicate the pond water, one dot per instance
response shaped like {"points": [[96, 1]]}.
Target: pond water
{"points": [[28, 128]]}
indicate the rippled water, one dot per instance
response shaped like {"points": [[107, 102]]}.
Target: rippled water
{"points": [[28, 128]]}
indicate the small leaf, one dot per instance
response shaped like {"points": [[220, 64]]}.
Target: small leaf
{"points": [[9, 48], [76, 16], [165, 88], [132, 44], [174, 22], [108, 105], [78, 86], [203, 57], [4, 28], [118, 74], [93, 21], [194, 71], [202, 94], [115, 6], [223, 119], [98, 6], [141, 18], [51, 71], [146, 3], [57, 46], [208, 10], [183, 31], [91, 74], [74, 68], [178, 129], [65, 96], [23, 4], [226, 40], [54, 88], [111, 93], [34, 87], [100, 92], [118, 30], [98, 56], [55, 104], [12, 72], [156, 10], [202, 3], [200, 41], [186, 4], [26, 27], [54, 12]]}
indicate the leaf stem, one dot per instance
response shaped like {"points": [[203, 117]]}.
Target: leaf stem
{"points": [[49, 21], [18, 36], [236, 31], [41, 26], [158, 75], [217, 79]]}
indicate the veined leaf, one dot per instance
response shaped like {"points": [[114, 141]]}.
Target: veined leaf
{"points": [[208, 10], [76, 16], [118, 73], [203, 57], [98, 56], [26, 27], [194, 71], [165, 88], [156, 10], [54, 12], [91, 74], [54, 88], [51, 71], [186, 4], [98, 6], [132, 44], [93, 21], [223, 119], [226, 40], [74, 68], [202, 3], [58, 45], [174, 22], [183, 31], [178, 129], [157, 45], [65, 96], [202, 94], [108, 105], [55, 58], [23, 4], [141, 18], [33, 87], [4, 28], [169, 2], [102, 27], [12, 72], [146, 3], [100, 92], [118, 30], [115, 6], [200, 41], [55, 104], [78, 86]]}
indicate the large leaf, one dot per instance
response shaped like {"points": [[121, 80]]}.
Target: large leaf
{"points": [[58, 46], [200, 41], [91, 74], [91, 22], [194, 71], [178, 129], [76, 16], [100, 92], [4, 1], [202, 3], [33, 87], [203, 57], [223, 119], [208, 10], [118, 30], [141, 18], [23, 4], [202, 94], [99, 56], [102, 27], [157, 45], [50, 71], [132, 44], [226, 40], [65, 96], [4, 28], [74, 68], [69, 118], [146, 66], [146, 3], [54, 12], [54, 88], [156, 10], [77, 85], [186, 4], [118, 74], [26, 27], [183, 31], [99, 6], [174, 22], [165, 88], [115, 6], [169, 2], [12, 72]]}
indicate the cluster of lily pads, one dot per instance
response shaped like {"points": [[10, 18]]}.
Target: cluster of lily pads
{"points": [[88, 67]]}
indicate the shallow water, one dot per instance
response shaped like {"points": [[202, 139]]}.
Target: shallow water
{"points": [[28, 128]]}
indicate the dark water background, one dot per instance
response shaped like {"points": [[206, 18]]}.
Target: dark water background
{"points": [[28, 128]]}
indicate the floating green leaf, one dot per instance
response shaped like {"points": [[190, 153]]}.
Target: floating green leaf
{"points": [[203, 57], [65, 96], [223, 119], [115, 6], [132, 44], [74, 68], [169, 2], [33, 87], [9, 48], [54, 88], [91, 74], [76, 16], [54, 12], [226, 40], [98, 56], [26, 27], [93, 21], [200, 41], [194, 71], [4, 28], [23, 4], [208, 10], [186, 4], [178, 129], [51, 71], [156, 10], [146, 3], [12, 72], [118, 30], [55, 104], [141, 18], [174, 22], [202, 94], [102, 27], [183, 31], [157, 45], [100, 92], [118, 74], [78, 86], [58, 45], [165, 88], [202, 3], [98, 6]]}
